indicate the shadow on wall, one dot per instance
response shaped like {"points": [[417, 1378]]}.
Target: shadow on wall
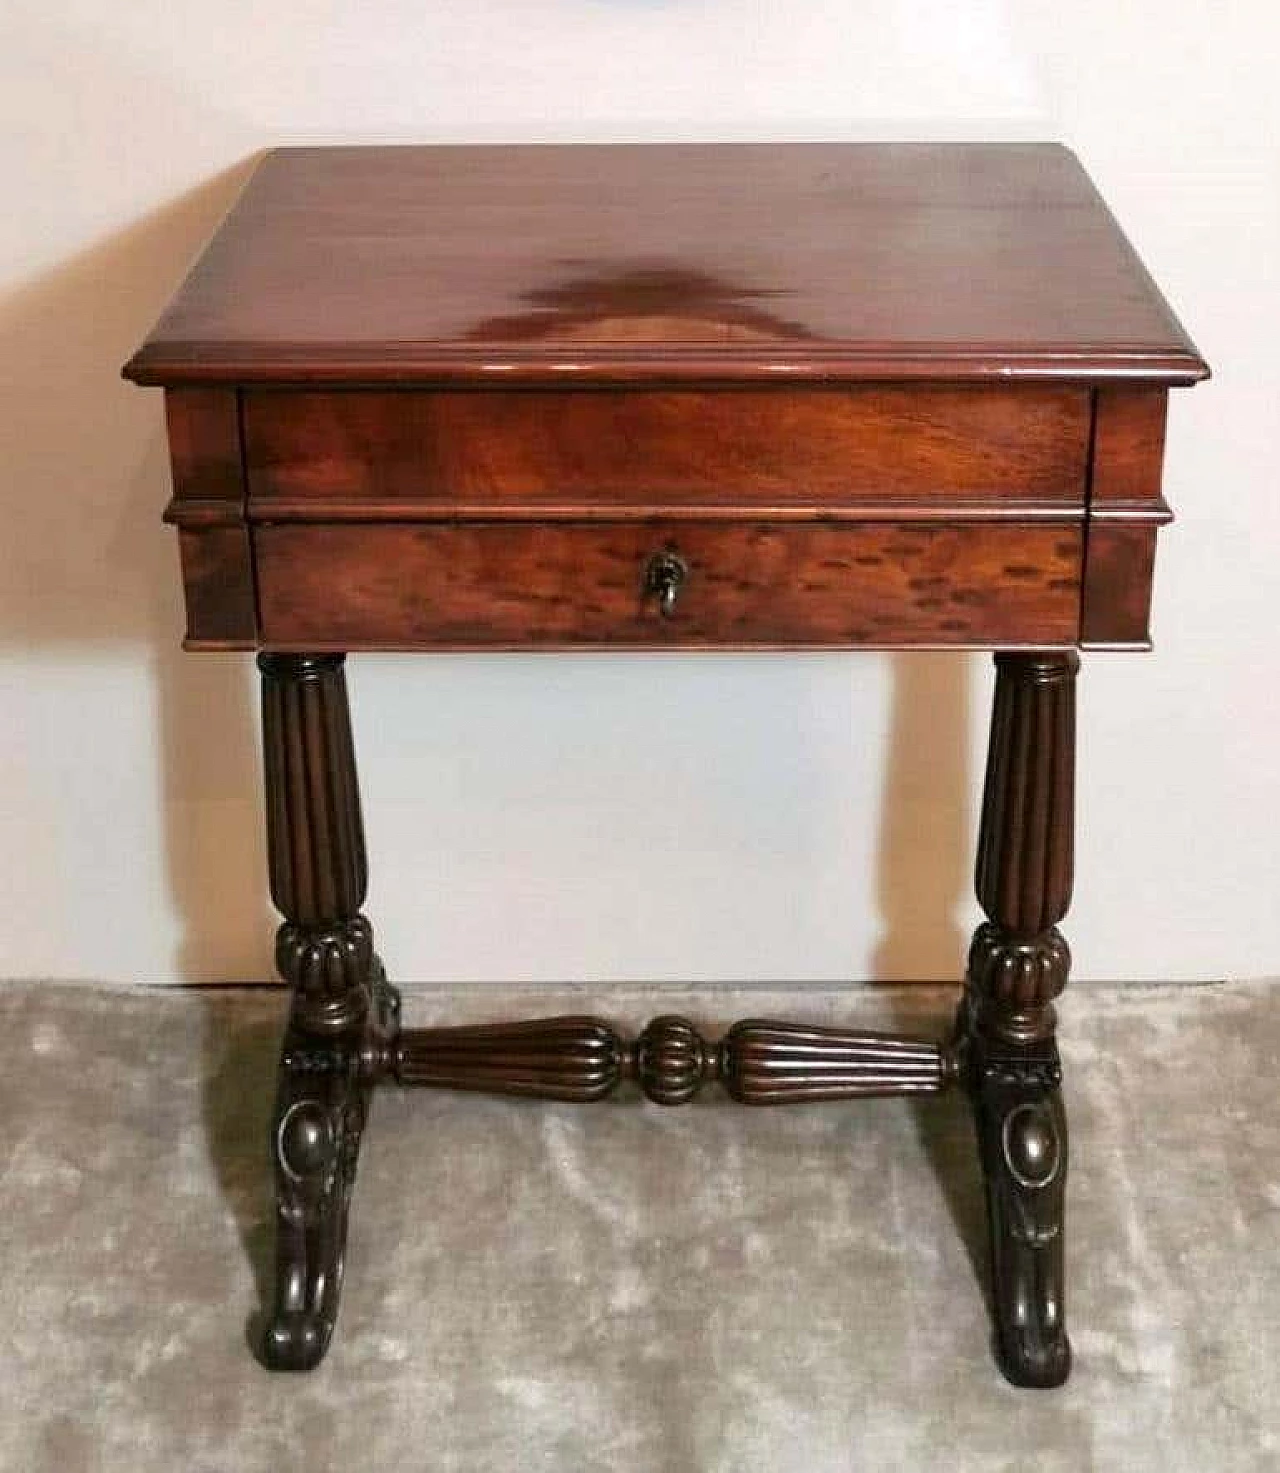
{"points": [[92, 574], [924, 861], [96, 572]]}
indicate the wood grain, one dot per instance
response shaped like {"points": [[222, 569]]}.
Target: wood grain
{"points": [[204, 448], [624, 262], [1119, 571], [208, 509], [1126, 509], [217, 580], [535, 453], [1128, 447], [749, 584]]}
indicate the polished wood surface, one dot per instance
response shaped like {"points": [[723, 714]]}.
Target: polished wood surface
{"points": [[324, 950], [1018, 963], [231, 490], [763, 584], [694, 397], [930, 335], [581, 1059], [569, 264], [538, 454], [1126, 510], [411, 459], [208, 510]]}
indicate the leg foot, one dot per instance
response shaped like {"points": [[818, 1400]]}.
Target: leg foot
{"points": [[294, 1342], [1022, 1141], [320, 1114]]}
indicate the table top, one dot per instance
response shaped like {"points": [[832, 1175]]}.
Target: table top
{"points": [[632, 263]]}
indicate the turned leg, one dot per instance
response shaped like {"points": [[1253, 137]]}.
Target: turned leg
{"points": [[1018, 964], [342, 1009]]}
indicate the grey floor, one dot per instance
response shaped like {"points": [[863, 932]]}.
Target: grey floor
{"points": [[621, 1287]]}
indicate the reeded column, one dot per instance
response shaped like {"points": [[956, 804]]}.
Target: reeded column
{"points": [[1018, 964], [315, 840], [1019, 961]]}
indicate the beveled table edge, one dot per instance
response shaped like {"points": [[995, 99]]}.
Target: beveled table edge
{"points": [[424, 365]]}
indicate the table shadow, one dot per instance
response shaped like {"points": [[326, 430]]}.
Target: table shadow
{"points": [[91, 579], [91, 573], [924, 872]]}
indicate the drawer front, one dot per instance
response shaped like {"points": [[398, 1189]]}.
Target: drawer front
{"points": [[760, 584], [412, 454]]}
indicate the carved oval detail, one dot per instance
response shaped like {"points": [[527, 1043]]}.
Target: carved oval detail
{"points": [[305, 1139], [1031, 1149]]}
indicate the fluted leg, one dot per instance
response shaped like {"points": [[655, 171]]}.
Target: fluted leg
{"points": [[1018, 964], [580, 1059], [342, 1009], [770, 1063], [570, 1058]]}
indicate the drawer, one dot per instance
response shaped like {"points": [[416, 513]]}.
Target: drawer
{"points": [[758, 584], [415, 454]]}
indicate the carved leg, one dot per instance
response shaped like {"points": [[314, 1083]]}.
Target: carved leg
{"points": [[343, 1010], [1018, 964]]}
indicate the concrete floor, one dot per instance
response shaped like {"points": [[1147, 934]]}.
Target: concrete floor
{"points": [[624, 1287]]}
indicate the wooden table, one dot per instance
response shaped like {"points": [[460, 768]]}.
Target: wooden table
{"points": [[731, 397]]}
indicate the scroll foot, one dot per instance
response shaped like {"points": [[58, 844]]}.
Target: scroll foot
{"points": [[320, 1114], [1022, 1137]]}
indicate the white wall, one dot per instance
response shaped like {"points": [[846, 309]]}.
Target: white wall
{"points": [[645, 817]]}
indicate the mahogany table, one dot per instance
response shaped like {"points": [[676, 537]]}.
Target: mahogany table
{"points": [[706, 397]]}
